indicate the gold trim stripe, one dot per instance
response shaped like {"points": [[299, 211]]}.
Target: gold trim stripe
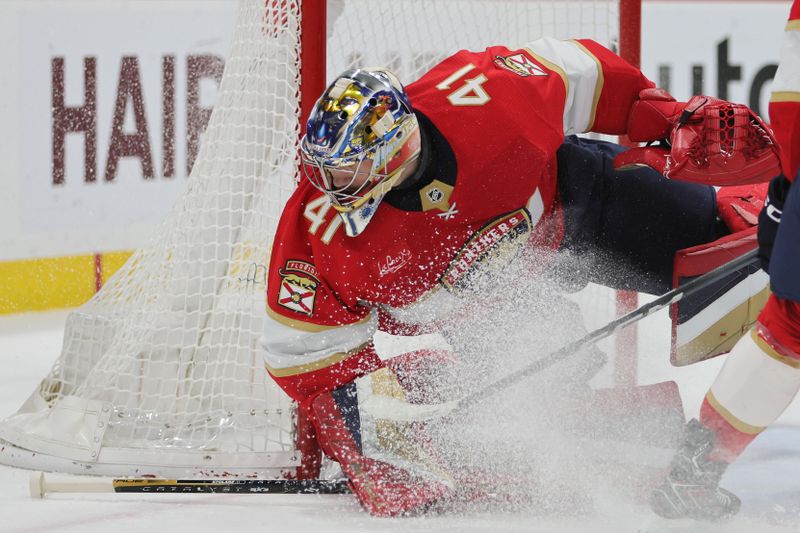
{"points": [[785, 96], [793, 25], [598, 87], [314, 365], [307, 326], [552, 66], [720, 337], [770, 351], [737, 424]]}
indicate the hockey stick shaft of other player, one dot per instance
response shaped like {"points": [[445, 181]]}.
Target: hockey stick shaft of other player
{"points": [[746, 260], [42, 483]]}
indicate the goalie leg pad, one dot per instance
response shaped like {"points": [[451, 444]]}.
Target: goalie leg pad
{"points": [[387, 467], [709, 322]]}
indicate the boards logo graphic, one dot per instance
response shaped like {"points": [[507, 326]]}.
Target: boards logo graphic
{"points": [[298, 286], [519, 64]]}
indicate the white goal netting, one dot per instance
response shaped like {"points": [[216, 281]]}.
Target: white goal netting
{"points": [[159, 372]]}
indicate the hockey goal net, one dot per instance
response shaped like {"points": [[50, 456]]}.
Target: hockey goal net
{"points": [[159, 373]]}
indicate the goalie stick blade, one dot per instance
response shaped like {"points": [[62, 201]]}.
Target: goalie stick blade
{"points": [[42, 483]]}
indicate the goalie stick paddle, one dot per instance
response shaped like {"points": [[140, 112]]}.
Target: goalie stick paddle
{"points": [[42, 483], [743, 261]]}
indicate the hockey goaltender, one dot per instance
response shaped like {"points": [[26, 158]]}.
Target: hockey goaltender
{"points": [[418, 200]]}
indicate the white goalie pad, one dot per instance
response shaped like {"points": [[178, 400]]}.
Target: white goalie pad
{"points": [[710, 322]]}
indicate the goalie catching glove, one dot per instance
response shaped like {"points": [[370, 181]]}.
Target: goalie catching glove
{"points": [[705, 140]]}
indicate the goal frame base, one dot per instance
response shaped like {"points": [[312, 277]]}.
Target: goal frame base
{"points": [[116, 462]]}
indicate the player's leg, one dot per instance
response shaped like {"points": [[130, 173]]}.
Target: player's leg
{"points": [[624, 227], [760, 378], [765, 363], [639, 220]]}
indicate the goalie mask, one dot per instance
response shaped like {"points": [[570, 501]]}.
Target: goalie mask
{"points": [[359, 139]]}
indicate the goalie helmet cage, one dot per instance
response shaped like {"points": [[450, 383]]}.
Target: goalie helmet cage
{"points": [[159, 372]]}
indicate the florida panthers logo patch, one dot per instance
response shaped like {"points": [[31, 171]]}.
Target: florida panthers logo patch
{"points": [[519, 64], [298, 287]]}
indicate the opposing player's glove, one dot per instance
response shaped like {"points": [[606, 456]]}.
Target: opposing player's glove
{"points": [[770, 217], [706, 140]]}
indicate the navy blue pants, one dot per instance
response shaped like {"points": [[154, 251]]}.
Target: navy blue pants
{"points": [[784, 264], [622, 228]]}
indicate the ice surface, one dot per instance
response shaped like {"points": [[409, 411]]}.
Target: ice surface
{"points": [[767, 477]]}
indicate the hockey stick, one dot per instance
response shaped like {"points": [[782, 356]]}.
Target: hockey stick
{"points": [[743, 261], [42, 483]]}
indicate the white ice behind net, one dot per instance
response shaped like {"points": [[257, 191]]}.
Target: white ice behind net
{"points": [[160, 368]]}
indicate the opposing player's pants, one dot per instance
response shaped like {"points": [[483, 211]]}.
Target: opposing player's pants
{"points": [[622, 228], [784, 266]]}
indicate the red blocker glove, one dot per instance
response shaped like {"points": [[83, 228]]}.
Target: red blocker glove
{"points": [[706, 140]]}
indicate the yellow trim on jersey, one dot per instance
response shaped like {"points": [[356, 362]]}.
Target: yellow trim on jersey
{"points": [[306, 326], [552, 66], [793, 25], [598, 87], [772, 352], [744, 427], [785, 96], [314, 365]]}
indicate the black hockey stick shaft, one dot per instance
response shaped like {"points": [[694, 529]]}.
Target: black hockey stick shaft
{"points": [[745, 260], [250, 486], [42, 483]]}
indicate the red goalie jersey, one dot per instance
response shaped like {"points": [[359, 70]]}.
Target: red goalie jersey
{"points": [[492, 122]]}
